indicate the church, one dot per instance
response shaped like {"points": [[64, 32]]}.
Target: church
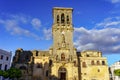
{"points": [[62, 61]]}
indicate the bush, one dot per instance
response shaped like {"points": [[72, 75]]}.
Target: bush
{"points": [[11, 73], [117, 72]]}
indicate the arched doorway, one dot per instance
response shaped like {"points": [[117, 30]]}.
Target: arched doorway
{"points": [[62, 72]]}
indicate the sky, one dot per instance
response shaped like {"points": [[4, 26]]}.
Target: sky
{"points": [[27, 24]]}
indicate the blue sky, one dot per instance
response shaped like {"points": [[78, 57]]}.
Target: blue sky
{"points": [[27, 24]]}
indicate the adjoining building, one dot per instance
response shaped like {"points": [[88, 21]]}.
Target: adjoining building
{"points": [[5, 60], [61, 61], [113, 67], [93, 66]]}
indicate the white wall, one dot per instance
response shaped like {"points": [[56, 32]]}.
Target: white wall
{"points": [[4, 61], [113, 67]]}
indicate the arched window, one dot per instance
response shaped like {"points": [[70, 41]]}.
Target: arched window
{"points": [[1, 57], [98, 62], [62, 18], [103, 62], [50, 62], [83, 64], [57, 18], [36, 53], [7, 58], [67, 19], [92, 63], [62, 57], [88, 55]]}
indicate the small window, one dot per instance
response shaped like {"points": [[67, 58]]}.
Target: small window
{"points": [[87, 55], [50, 62], [92, 63], [62, 18], [67, 19], [103, 62], [5, 67], [98, 62], [37, 53], [98, 70], [57, 18], [7, 58], [83, 64], [85, 73], [1, 56], [62, 57], [0, 66]]}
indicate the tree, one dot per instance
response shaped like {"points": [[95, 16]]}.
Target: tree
{"points": [[1, 72], [117, 72], [5, 74], [11, 73], [14, 73]]}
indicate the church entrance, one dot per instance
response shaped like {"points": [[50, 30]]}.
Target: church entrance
{"points": [[62, 73], [62, 76]]}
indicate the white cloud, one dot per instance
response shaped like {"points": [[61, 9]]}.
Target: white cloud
{"points": [[105, 40], [104, 37], [20, 18], [115, 1], [47, 33], [1, 21], [36, 23], [14, 25], [109, 22]]}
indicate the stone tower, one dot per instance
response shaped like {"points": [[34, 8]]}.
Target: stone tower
{"points": [[63, 53]]}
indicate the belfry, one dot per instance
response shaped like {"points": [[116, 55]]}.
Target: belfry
{"points": [[63, 52]]}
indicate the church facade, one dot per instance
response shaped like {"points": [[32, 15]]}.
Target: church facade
{"points": [[61, 61]]}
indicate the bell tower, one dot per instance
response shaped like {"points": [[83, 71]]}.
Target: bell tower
{"points": [[62, 16], [63, 52], [62, 29]]}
